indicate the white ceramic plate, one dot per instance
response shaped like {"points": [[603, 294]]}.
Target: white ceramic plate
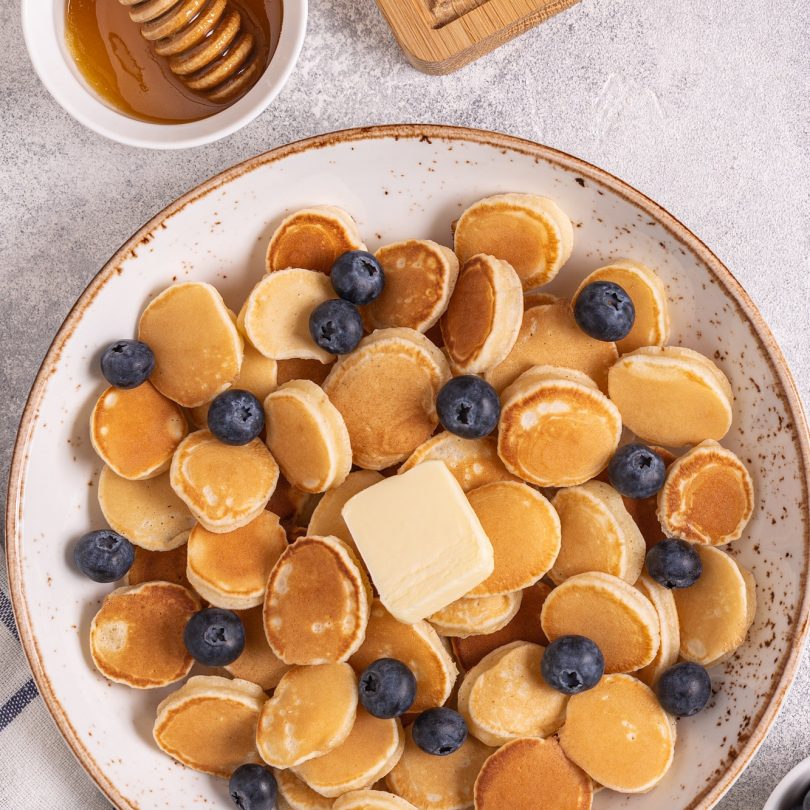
{"points": [[398, 182]]}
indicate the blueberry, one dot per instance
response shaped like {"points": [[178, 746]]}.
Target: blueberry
{"points": [[236, 416], [387, 688], [215, 637], [358, 277], [674, 563], [572, 664], [127, 363], [685, 689], [604, 311], [440, 731], [253, 787], [468, 407], [636, 471], [336, 326], [104, 556]]}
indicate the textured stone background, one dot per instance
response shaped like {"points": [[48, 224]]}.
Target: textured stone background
{"points": [[704, 105]]}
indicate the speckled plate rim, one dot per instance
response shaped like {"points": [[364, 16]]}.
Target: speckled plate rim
{"points": [[424, 132]]}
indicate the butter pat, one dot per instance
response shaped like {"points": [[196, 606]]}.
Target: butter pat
{"points": [[420, 539]]}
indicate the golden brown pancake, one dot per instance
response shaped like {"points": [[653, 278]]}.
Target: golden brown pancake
{"points": [[529, 773], [298, 368], [530, 232], [483, 319], [209, 724], [313, 238], [311, 712], [198, 349], [371, 800], [317, 603], [307, 436], [225, 486], [549, 336], [257, 663], [556, 428], [537, 298], [136, 431], [419, 278], [619, 735], [474, 615], [136, 638], [664, 603], [386, 390], [293, 794], [147, 513], [230, 569], [708, 496], [159, 566], [613, 614], [671, 396]]}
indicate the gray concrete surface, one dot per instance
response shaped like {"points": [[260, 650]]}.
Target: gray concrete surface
{"points": [[701, 104]]}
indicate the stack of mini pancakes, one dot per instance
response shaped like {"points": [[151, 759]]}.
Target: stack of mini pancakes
{"points": [[260, 528]]}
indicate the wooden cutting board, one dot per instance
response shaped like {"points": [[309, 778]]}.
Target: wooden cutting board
{"points": [[440, 36]]}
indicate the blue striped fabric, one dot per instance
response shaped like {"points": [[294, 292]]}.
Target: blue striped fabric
{"points": [[11, 708]]}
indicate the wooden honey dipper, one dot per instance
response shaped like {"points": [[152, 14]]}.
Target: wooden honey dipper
{"points": [[205, 42]]}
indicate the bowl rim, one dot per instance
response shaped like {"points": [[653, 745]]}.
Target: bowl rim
{"points": [[766, 717], [44, 41], [798, 774]]}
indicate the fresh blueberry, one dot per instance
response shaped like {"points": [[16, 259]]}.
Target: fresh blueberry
{"points": [[236, 417], [636, 471], [215, 637], [127, 363], [387, 688], [685, 689], [439, 731], [468, 407], [104, 556], [604, 311], [674, 563], [358, 277], [572, 664], [253, 787], [336, 326]]}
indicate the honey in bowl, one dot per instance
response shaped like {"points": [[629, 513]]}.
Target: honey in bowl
{"points": [[160, 68]]}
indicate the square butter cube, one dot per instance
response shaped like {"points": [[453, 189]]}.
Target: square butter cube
{"points": [[420, 539]]}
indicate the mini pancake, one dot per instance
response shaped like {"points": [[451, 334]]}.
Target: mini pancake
{"points": [[438, 783], [136, 638], [505, 697], [297, 368], [313, 238], [311, 712], [230, 569], [147, 513], [671, 396], [644, 511], [317, 603], [418, 646], [556, 428], [524, 531], [708, 496], [372, 748], [371, 800], [474, 462], [537, 298], [524, 627], [159, 566], [483, 318], [619, 735], [532, 233], [136, 431], [209, 724], [716, 612], [386, 391], [663, 601], [598, 534], [257, 663], [613, 614], [530, 773], [476, 615], [225, 486], [549, 335], [649, 297], [293, 794], [198, 349], [419, 278], [307, 436]]}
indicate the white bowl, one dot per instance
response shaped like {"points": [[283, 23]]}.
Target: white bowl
{"points": [[791, 790], [44, 31]]}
